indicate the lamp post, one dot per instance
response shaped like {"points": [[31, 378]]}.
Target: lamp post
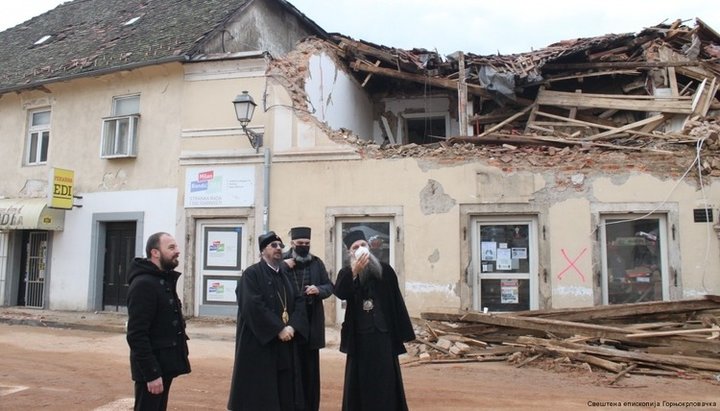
{"points": [[244, 109]]}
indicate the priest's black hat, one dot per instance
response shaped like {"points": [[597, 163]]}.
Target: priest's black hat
{"points": [[353, 236], [300, 232], [267, 238]]}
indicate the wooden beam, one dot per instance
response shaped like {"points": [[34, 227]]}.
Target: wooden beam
{"points": [[627, 310], [626, 127], [586, 123], [367, 78], [619, 65], [506, 121], [700, 363], [675, 332], [564, 99], [418, 78]]}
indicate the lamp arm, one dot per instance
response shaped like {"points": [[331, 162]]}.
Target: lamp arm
{"points": [[256, 139]]}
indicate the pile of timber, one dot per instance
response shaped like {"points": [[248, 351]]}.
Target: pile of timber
{"points": [[671, 338], [636, 92]]}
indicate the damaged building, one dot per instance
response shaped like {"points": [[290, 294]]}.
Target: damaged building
{"points": [[578, 175]]}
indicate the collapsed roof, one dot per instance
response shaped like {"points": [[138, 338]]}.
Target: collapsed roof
{"points": [[643, 91]]}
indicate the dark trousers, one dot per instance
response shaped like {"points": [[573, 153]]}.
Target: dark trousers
{"points": [[310, 370], [145, 401]]}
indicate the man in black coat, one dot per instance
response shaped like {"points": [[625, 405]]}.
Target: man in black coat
{"points": [[271, 318], [155, 328], [375, 327], [310, 278]]}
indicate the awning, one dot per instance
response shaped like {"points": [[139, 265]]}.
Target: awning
{"points": [[30, 214]]}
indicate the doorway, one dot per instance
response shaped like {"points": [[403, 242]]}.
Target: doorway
{"points": [[31, 290], [119, 252]]}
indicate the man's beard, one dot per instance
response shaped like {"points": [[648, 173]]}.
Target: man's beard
{"points": [[373, 269], [168, 264], [301, 259]]}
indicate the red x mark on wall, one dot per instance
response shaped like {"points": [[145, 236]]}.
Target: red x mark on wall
{"points": [[571, 264]]}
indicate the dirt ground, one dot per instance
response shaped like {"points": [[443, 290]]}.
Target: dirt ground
{"points": [[61, 369]]}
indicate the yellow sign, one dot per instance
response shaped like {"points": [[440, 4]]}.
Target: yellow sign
{"points": [[61, 188]]}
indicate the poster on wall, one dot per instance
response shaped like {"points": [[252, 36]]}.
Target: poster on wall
{"points": [[509, 292], [207, 187], [222, 248], [220, 290]]}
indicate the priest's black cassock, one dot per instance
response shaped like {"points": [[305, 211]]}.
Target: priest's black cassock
{"points": [[373, 338], [265, 376]]}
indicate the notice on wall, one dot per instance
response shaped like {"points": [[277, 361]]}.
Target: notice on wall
{"points": [[220, 290], [509, 292], [488, 250], [222, 249], [219, 187], [503, 259]]}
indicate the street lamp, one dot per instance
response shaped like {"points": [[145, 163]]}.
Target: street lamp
{"points": [[244, 109]]}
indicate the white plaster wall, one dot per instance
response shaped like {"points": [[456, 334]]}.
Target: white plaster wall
{"points": [[70, 265], [571, 251], [337, 98]]}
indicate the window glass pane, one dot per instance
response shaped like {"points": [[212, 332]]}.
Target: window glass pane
{"points": [[32, 150], [633, 263], [377, 235], [122, 137], [109, 137], [505, 294], [124, 106], [40, 118], [44, 146], [504, 248]]}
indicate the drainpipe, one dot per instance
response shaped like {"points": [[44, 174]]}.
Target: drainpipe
{"points": [[266, 190]]}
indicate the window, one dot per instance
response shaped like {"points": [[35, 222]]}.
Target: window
{"points": [[506, 255], [425, 128], [119, 134], [380, 234], [634, 267], [38, 137]]}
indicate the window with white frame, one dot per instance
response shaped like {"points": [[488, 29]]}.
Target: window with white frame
{"points": [[38, 138], [506, 256], [119, 134]]}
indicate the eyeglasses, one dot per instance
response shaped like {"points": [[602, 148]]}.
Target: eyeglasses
{"points": [[277, 245]]}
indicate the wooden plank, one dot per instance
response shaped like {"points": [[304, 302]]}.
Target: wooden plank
{"points": [[675, 332], [619, 65], [507, 121], [673, 81], [673, 360], [604, 134], [367, 78], [564, 99], [390, 135], [627, 310]]}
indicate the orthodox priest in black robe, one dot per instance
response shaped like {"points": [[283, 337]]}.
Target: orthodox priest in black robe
{"points": [[271, 320], [376, 325]]}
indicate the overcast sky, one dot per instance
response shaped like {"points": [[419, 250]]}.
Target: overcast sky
{"points": [[474, 26]]}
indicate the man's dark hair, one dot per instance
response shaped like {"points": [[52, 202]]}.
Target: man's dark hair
{"points": [[153, 242]]}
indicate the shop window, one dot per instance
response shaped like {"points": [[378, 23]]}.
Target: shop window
{"points": [[634, 269], [506, 257]]}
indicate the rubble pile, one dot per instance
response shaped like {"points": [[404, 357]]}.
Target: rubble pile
{"points": [[672, 338]]}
